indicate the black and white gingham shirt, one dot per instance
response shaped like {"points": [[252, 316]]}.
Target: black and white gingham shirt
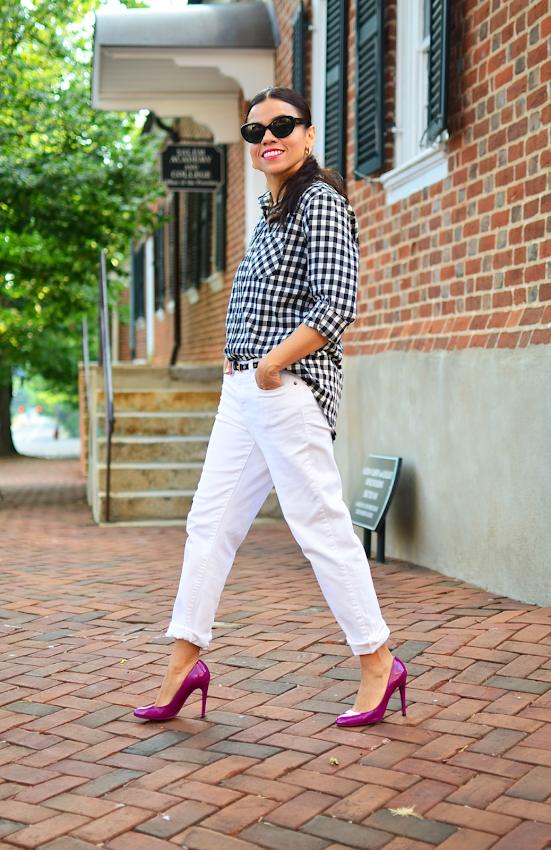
{"points": [[306, 273]]}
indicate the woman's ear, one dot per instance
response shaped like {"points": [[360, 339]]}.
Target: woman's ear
{"points": [[310, 136]]}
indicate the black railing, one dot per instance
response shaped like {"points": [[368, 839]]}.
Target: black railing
{"points": [[86, 355], [104, 359]]}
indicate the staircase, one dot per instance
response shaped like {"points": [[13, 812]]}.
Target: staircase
{"points": [[163, 420]]}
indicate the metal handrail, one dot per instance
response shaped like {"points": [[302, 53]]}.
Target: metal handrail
{"points": [[105, 360], [86, 355]]}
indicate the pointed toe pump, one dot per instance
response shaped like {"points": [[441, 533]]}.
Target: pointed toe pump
{"points": [[197, 678], [397, 679]]}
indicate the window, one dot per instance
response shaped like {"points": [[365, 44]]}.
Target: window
{"points": [[138, 301], [420, 158], [412, 49], [197, 240], [336, 85], [196, 248]]}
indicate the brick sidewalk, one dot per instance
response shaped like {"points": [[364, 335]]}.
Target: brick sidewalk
{"points": [[36, 481], [82, 644]]}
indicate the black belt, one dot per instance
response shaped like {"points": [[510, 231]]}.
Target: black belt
{"points": [[244, 367]]}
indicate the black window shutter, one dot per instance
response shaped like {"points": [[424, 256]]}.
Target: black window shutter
{"points": [[437, 118], [172, 236], [194, 223], [336, 85], [369, 87], [298, 49], [159, 260], [220, 223], [138, 281], [220, 230], [205, 230]]}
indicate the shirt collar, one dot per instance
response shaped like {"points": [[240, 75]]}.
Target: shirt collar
{"points": [[265, 202]]}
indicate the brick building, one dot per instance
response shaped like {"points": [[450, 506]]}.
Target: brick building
{"points": [[437, 112]]}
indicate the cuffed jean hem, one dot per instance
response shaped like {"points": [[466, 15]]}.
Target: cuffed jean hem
{"points": [[178, 633], [372, 646]]}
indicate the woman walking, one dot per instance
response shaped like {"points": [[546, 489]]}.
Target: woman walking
{"points": [[293, 296]]}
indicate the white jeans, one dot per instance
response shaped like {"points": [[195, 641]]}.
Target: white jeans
{"points": [[262, 437]]}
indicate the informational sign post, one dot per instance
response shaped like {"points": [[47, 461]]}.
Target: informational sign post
{"points": [[189, 167], [372, 499]]}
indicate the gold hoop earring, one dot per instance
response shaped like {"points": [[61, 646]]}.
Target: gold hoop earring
{"points": [[254, 166], [308, 151]]}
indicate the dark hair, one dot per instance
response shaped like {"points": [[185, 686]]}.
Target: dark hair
{"points": [[309, 172]]}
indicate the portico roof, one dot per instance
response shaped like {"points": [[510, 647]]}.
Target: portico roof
{"points": [[194, 62]]}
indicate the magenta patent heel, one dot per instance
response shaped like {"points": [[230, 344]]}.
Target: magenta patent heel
{"points": [[397, 679], [403, 696], [198, 677], [205, 690]]}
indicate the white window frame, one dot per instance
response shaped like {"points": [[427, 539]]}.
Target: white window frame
{"points": [[416, 165]]}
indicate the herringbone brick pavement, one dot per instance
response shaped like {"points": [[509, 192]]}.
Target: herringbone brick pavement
{"points": [[81, 639], [39, 481]]}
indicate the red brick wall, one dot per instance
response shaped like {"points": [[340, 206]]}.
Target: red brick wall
{"points": [[140, 351], [164, 335], [285, 9], [124, 329], [466, 262]]}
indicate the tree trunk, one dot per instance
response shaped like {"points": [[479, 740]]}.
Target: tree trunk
{"points": [[7, 447]]}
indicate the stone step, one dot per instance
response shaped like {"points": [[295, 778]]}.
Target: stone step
{"points": [[133, 477], [147, 505], [170, 507], [172, 449], [162, 400], [133, 376], [185, 424]]}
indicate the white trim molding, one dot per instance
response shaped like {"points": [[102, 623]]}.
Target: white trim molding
{"points": [[421, 171], [215, 281]]}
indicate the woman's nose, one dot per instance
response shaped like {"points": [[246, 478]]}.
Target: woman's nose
{"points": [[269, 137]]}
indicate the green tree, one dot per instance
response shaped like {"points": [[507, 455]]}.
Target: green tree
{"points": [[72, 181]]}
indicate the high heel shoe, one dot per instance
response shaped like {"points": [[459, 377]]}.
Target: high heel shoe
{"points": [[198, 677], [397, 679]]}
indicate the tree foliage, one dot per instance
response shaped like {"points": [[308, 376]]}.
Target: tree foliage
{"points": [[72, 181]]}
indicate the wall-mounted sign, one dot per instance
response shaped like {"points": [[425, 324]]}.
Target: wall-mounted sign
{"points": [[192, 168], [375, 491]]}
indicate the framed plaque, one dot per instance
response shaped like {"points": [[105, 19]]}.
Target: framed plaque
{"points": [[372, 499], [192, 168], [375, 490]]}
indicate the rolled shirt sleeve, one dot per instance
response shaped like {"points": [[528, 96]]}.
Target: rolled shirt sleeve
{"points": [[332, 259]]}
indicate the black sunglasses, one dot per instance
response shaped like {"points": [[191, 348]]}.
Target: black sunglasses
{"points": [[280, 127]]}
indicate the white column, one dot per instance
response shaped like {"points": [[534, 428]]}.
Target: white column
{"points": [[255, 185], [149, 299], [319, 18]]}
